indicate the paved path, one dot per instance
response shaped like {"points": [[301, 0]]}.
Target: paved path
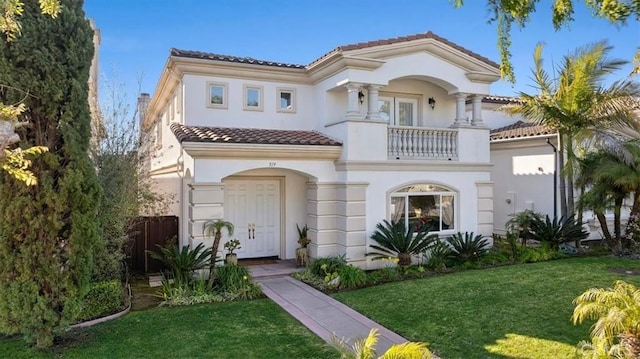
{"points": [[322, 314]]}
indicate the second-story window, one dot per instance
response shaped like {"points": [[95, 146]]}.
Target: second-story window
{"points": [[217, 96], [399, 110], [286, 100], [252, 98]]}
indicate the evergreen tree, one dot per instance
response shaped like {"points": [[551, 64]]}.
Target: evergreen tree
{"points": [[47, 231]]}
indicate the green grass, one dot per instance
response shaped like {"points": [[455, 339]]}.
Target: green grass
{"points": [[520, 311], [244, 329]]}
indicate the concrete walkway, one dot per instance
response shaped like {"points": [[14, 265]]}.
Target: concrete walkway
{"points": [[322, 314]]}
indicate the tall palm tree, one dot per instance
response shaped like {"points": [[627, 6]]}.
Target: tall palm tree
{"points": [[577, 104], [611, 179], [213, 228], [617, 311]]}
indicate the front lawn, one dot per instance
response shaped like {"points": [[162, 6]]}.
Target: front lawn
{"points": [[243, 329], [519, 311]]}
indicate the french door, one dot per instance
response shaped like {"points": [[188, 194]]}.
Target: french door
{"points": [[253, 206]]}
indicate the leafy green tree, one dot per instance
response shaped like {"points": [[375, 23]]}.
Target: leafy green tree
{"points": [[365, 348], [577, 104], [47, 231], [508, 12]]}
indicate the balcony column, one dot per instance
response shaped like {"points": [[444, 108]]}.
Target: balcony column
{"points": [[461, 119], [476, 119], [373, 112], [353, 108]]}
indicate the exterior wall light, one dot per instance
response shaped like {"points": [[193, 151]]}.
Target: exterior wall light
{"points": [[432, 102], [361, 96]]}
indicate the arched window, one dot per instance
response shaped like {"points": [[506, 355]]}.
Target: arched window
{"points": [[427, 205]]}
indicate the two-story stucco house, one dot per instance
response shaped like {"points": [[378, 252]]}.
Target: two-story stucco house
{"points": [[369, 131]]}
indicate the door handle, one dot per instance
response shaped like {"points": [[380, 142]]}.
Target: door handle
{"points": [[252, 230], [249, 229]]}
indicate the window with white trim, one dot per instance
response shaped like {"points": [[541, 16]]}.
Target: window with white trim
{"points": [[252, 98], [217, 95], [286, 100], [399, 110], [422, 205]]}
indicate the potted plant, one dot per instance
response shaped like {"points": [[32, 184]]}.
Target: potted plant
{"points": [[232, 245], [302, 253]]}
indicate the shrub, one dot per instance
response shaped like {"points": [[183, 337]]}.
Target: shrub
{"points": [[310, 278], [351, 277], [507, 245], [496, 257], [557, 231], [437, 256], [540, 254], [235, 282], [467, 248], [103, 298], [333, 264], [383, 275], [394, 240]]}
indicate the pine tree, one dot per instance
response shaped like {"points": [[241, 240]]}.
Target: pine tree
{"points": [[47, 231]]}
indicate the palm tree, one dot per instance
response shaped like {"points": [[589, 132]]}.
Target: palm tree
{"points": [[365, 348], [578, 106], [617, 311], [611, 179], [213, 228]]}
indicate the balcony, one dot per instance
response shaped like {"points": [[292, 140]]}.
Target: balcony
{"points": [[421, 143]]}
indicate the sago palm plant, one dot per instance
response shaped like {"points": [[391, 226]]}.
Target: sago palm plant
{"points": [[467, 247], [617, 311], [182, 262], [394, 240], [365, 348], [213, 228], [557, 231]]}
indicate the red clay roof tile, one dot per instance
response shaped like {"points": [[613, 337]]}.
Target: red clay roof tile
{"points": [[520, 129], [250, 136]]}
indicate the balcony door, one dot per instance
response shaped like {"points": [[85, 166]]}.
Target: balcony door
{"points": [[399, 111]]}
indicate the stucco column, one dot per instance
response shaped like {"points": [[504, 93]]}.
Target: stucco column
{"points": [[476, 118], [461, 120], [353, 108], [373, 113]]}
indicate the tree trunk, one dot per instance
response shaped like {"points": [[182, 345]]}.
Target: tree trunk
{"points": [[570, 161], [605, 232], [632, 230], [214, 255], [563, 188], [580, 214], [617, 228], [404, 259]]}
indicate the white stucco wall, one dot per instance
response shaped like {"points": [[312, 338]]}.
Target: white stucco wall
{"points": [[198, 114], [518, 179]]}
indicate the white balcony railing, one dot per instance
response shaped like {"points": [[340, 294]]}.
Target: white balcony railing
{"points": [[422, 143]]}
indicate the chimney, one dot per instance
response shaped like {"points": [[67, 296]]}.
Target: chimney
{"points": [[143, 104]]}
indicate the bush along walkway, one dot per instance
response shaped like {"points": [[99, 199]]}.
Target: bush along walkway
{"points": [[324, 315]]}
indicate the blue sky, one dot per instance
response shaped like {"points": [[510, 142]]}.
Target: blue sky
{"points": [[137, 35]]}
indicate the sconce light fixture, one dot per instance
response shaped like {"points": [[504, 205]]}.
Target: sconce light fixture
{"points": [[432, 102], [361, 97]]}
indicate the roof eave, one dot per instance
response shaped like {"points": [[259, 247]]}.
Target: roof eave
{"points": [[261, 151]]}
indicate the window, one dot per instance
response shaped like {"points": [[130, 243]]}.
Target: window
{"points": [[424, 205], [399, 111], [286, 100], [252, 98], [217, 95]]}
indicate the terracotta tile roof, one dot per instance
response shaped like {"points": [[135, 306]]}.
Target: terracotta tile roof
{"points": [[501, 100], [395, 40], [229, 58], [250, 136], [360, 45], [519, 129]]}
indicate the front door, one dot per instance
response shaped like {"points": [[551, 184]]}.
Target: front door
{"points": [[253, 206]]}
